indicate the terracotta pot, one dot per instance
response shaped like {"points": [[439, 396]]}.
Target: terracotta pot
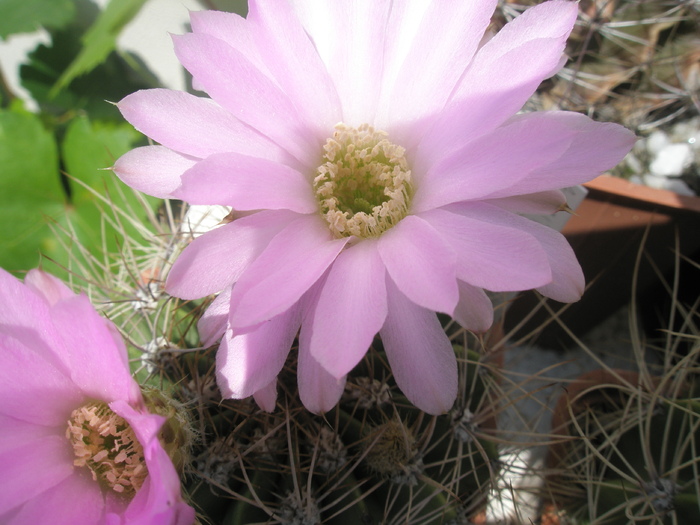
{"points": [[606, 233]]}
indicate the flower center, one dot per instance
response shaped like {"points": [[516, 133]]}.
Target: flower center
{"points": [[364, 188], [106, 444]]}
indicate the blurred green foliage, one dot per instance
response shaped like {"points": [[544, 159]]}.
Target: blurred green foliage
{"points": [[53, 177], [22, 16], [56, 191]]}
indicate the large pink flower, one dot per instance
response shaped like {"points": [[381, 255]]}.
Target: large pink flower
{"points": [[63, 373], [377, 166]]}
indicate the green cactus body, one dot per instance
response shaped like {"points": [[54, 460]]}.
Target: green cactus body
{"points": [[373, 459]]}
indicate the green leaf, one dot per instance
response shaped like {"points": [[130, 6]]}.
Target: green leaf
{"points": [[100, 40], [33, 197], [30, 190], [24, 16]]}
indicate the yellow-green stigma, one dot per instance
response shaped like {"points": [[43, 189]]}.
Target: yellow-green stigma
{"points": [[364, 188], [106, 444]]}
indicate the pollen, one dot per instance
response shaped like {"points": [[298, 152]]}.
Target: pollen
{"points": [[364, 187], [106, 445]]}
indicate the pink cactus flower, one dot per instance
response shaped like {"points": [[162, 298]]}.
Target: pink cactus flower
{"points": [[377, 165], [77, 444]]}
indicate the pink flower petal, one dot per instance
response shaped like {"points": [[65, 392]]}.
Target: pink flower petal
{"points": [[291, 263], [17, 433], [503, 75], [154, 170], [266, 397], [249, 362], [76, 500], [351, 309], [287, 50], [348, 38], [97, 361], [567, 283], [193, 125], [595, 148], [33, 389], [215, 260], [319, 390], [30, 470], [541, 203], [246, 183], [248, 94], [232, 29], [474, 310], [212, 325], [36, 331], [420, 354], [421, 264], [418, 86], [48, 286], [481, 169], [489, 254]]}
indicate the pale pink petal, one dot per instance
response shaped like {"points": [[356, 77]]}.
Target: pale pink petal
{"points": [[474, 310], [232, 29], [248, 362], [540, 203], [266, 397], [246, 183], [421, 264], [77, 500], [97, 361], [291, 263], [596, 147], [154, 170], [319, 390], [349, 37], [215, 260], [351, 309], [212, 325], [36, 331], [287, 51], [248, 94], [33, 389], [401, 29], [193, 125], [56, 293], [489, 254], [30, 470], [419, 353], [50, 287], [567, 283], [503, 75], [442, 47], [482, 168], [17, 433]]}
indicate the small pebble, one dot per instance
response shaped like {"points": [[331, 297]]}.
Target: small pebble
{"points": [[672, 160]]}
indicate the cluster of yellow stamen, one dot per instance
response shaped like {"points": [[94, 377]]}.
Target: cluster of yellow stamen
{"points": [[106, 444], [364, 188]]}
